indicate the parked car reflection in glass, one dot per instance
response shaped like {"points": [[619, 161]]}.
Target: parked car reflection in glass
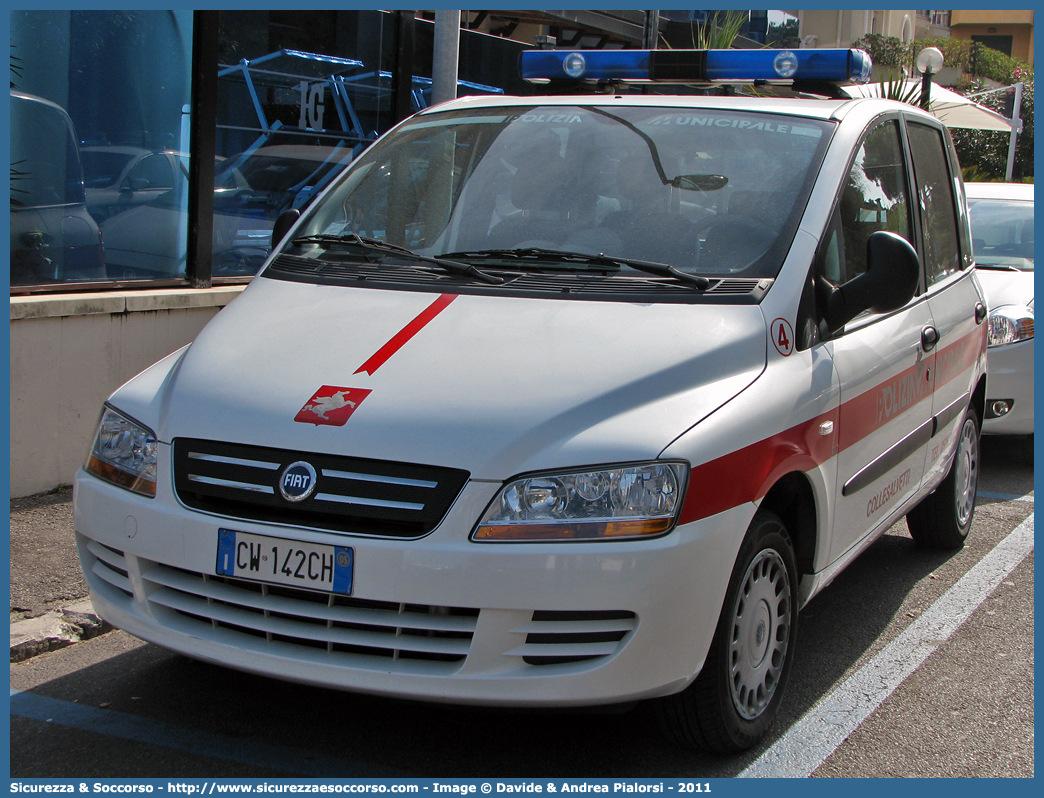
{"points": [[251, 190], [117, 179], [54, 239]]}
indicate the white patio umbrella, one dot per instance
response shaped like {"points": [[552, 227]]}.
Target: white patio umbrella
{"points": [[947, 106]]}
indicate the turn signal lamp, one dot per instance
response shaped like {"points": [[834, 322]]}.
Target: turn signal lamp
{"points": [[696, 66]]}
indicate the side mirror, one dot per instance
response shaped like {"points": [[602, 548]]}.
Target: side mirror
{"points": [[889, 282], [283, 223], [134, 184]]}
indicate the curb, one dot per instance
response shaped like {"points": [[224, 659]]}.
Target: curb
{"points": [[56, 629]]}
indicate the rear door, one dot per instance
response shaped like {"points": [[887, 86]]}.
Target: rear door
{"points": [[957, 308]]}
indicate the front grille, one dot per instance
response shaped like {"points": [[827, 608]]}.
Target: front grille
{"points": [[379, 631], [333, 629], [559, 637], [352, 495], [109, 565]]}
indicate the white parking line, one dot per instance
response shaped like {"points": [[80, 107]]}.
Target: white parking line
{"points": [[818, 734]]}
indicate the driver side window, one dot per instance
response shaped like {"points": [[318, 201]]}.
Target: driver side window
{"points": [[875, 197]]}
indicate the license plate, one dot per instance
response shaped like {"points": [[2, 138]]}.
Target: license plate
{"points": [[285, 562]]}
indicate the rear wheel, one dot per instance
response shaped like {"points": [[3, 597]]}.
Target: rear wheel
{"points": [[944, 516], [734, 700]]}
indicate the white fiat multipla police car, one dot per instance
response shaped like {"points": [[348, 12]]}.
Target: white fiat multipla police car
{"points": [[562, 401], [1001, 218]]}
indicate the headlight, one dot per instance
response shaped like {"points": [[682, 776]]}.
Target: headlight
{"points": [[1010, 324], [124, 453], [611, 503]]}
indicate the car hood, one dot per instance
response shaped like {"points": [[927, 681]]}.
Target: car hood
{"points": [[496, 385], [1006, 287]]}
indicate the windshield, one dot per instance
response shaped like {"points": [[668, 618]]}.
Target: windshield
{"points": [[708, 191], [1002, 233]]}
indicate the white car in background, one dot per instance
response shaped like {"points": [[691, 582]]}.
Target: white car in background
{"points": [[1002, 242], [118, 179]]}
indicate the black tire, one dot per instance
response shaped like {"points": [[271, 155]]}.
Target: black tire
{"points": [[734, 700], [944, 516]]}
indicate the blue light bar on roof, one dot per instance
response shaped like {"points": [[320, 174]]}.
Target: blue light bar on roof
{"points": [[696, 66]]}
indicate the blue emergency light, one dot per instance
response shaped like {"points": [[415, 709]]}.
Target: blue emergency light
{"points": [[696, 66]]}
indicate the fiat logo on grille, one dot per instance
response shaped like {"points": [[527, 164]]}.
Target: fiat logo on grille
{"points": [[297, 481]]}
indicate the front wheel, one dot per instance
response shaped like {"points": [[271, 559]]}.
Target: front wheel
{"points": [[944, 516], [734, 700]]}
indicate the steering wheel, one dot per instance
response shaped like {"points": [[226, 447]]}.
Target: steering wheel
{"points": [[732, 242]]}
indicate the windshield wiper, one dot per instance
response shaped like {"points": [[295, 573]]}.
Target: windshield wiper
{"points": [[384, 247], [538, 254]]}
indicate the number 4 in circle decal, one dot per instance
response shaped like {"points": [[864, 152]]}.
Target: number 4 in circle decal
{"points": [[782, 336]]}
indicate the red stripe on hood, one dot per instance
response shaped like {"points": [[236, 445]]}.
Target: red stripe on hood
{"points": [[402, 337]]}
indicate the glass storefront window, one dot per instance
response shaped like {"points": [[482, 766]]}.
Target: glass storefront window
{"points": [[110, 88], [299, 94]]}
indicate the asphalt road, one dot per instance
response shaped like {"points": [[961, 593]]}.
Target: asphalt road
{"points": [[116, 707]]}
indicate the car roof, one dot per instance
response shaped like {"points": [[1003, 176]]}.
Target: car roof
{"points": [[1007, 191], [797, 106], [126, 150]]}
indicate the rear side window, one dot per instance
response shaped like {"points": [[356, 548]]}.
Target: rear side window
{"points": [[942, 256], [875, 197]]}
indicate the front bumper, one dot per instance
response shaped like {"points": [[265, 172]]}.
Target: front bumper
{"points": [[1010, 377], [436, 619]]}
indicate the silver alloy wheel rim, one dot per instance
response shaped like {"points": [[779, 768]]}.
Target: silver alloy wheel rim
{"points": [[761, 617], [966, 476]]}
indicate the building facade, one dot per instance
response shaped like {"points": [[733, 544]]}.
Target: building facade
{"points": [[1010, 32], [840, 28]]}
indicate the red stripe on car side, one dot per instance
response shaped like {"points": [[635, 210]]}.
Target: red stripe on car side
{"points": [[744, 475], [865, 414], [740, 476], [401, 338]]}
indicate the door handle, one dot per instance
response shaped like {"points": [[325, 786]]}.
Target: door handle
{"points": [[929, 338]]}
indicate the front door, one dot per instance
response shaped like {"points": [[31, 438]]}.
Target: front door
{"points": [[884, 422]]}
